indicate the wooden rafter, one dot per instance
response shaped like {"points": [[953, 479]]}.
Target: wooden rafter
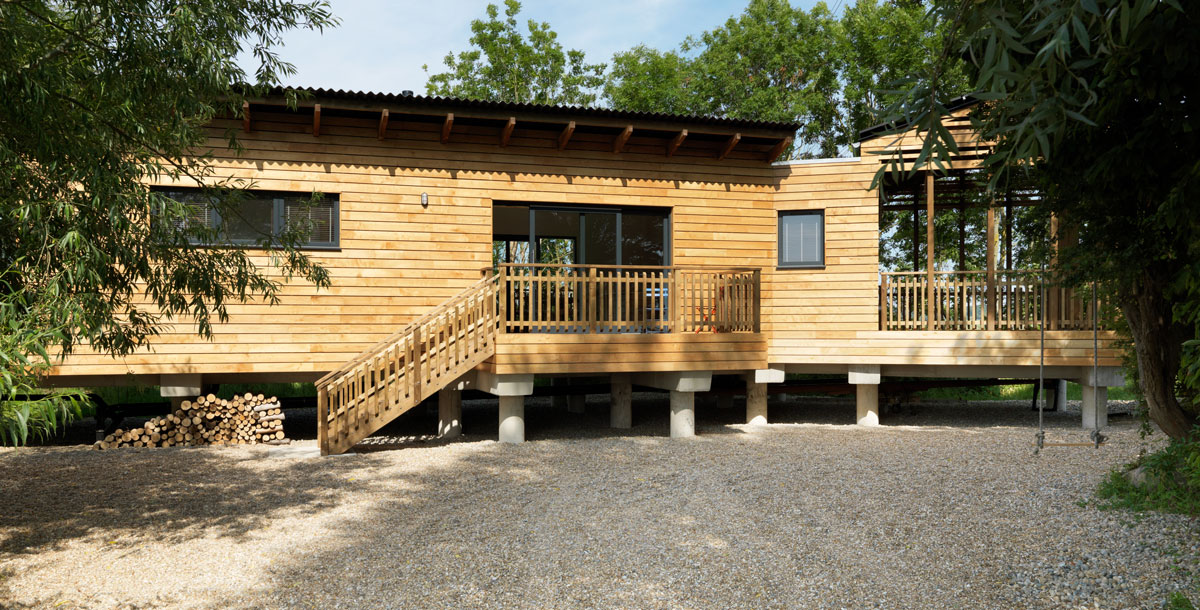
{"points": [[316, 120], [246, 117], [673, 145], [565, 136], [728, 147], [622, 138], [506, 133], [383, 121], [778, 149], [447, 125]]}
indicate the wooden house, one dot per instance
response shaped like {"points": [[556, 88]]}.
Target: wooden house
{"points": [[480, 245]]}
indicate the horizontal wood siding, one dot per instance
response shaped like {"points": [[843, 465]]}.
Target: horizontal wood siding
{"points": [[398, 259], [831, 315], [583, 353]]}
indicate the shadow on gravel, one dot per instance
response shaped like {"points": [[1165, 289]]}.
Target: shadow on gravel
{"points": [[53, 497]]}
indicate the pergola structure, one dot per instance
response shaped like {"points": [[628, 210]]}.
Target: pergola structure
{"points": [[993, 299]]}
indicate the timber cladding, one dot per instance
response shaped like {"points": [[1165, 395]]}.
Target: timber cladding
{"points": [[397, 258]]}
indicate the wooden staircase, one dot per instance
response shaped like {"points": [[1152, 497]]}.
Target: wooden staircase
{"points": [[397, 373]]}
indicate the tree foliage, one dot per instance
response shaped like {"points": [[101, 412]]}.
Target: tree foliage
{"points": [[505, 66], [102, 97], [1093, 97], [782, 63]]}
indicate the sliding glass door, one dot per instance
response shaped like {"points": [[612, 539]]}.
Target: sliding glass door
{"points": [[580, 235]]}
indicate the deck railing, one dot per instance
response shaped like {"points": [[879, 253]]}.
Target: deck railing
{"points": [[961, 300], [628, 299]]}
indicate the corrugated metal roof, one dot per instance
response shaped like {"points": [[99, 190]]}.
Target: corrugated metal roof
{"points": [[401, 99]]}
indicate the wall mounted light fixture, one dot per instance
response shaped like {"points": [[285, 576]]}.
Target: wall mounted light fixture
{"points": [[424, 200]]}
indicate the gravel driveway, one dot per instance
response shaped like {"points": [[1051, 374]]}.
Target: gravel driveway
{"points": [[943, 506]]}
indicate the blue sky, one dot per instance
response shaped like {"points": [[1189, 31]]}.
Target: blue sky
{"points": [[381, 45]]}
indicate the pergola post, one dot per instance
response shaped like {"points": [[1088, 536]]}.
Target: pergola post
{"points": [[929, 289], [1052, 303], [991, 266]]}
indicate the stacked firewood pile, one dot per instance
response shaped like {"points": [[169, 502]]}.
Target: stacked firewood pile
{"points": [[208, 420]]}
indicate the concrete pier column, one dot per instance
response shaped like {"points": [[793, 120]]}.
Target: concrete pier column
{"points": [[867, 403], [512, 419], [683, 414], [865, 379], [1060, 395], [1095, 407], [621, 411], [449, 413], [756, 402]]}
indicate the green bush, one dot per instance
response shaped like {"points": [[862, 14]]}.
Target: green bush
{"points": [[1170, 481]]}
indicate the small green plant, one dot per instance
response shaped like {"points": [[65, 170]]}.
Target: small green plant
{"points": [[1169, 480], [1178, 601]]}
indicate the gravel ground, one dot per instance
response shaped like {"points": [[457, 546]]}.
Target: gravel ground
{"points": [[943, 506]]}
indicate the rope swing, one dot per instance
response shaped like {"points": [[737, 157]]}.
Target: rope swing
{"points": [[1096, 437]]}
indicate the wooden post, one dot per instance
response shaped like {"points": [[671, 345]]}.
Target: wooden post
{"points": [[1008, 226], [418, 377], [883, 304], [990, 291], [758, 300], [673, 301], [323, 420], [929, 290], [1052, 293], [916, 237], [502, 292], [593, 311]]}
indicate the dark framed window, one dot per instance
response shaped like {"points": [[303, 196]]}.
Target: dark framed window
{"points": [[263, 213], [802, 239], [583, 235]]}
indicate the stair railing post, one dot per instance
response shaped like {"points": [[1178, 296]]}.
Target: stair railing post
{"points": [[323, 420], [502, 294], [418, 377]]}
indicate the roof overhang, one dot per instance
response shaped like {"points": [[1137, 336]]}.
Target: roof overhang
{"points": [[769, 139]]}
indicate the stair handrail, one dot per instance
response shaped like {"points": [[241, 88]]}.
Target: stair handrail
{"points": [[401, 334]]}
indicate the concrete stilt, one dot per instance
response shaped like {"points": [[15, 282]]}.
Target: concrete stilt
{"points": [[449, 413], [1060, 395], [512, 419], [621, 413], [756, 402], [1095, 407], [868, 404], [683, 414]]}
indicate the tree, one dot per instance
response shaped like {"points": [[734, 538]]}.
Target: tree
{"points": [[505, 67], [102, 97], [1094, 99], [646, 80], [880, 46], [771, 63]]}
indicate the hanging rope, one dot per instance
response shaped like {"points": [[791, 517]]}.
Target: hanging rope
{"points": [[1097, 438], [1038, 395]]}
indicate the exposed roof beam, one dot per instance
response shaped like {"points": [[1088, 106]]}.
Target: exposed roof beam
{"points": [[565, 136], [622, 138], [778, 149], [728, 147], [316, 120], [246, 117], [506, 133], [673, 145], [447, 125], [498, 116], [383, 121]]}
